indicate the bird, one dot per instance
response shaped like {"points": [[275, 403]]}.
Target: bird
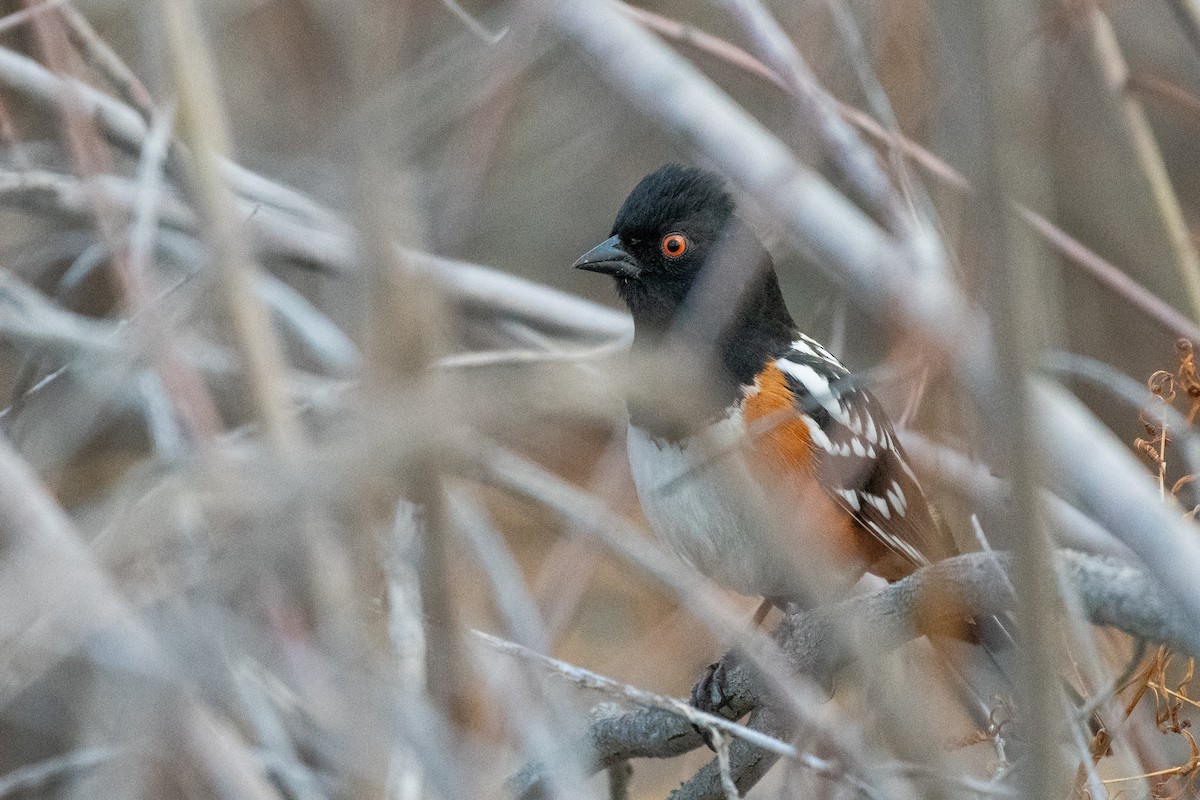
{"points": [[821, 434], [787, 481]]}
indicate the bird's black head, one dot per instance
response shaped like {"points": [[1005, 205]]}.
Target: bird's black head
{"points": [[677, 225], [666, 230]]}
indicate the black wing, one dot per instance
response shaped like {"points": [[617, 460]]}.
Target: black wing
{"points": [[859, 460]]}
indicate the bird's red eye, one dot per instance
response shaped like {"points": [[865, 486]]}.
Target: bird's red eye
{"points": [[674, 245]]}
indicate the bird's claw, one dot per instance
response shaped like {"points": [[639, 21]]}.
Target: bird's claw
{"points": [[712, 693]]}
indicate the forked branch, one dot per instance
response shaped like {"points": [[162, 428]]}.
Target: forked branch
{"points": [[816, 644]]}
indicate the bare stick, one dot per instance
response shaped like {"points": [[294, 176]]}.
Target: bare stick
{"points": [[1072, 527], [1112, 277], [721, 743], [18, 18], [1109, 593], [1095, 32], [472, 24], [474, 287], [104, 58], [32, 776], [1066, 245], [1188, 17], [186, 390], [702, 40], [857, 163], [591, 680], [126, 128], [256, 342], [1166, 93]]}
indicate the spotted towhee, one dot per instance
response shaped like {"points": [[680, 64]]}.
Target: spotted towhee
{"points": [[788, 482], [794, 472]]}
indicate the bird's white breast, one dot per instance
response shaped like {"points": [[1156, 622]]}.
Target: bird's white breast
{"points": [[702, 501]]}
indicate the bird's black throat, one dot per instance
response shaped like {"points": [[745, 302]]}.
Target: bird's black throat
{"points": [[722, 351], [707, 311]]}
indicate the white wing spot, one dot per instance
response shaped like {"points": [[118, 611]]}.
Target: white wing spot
{"points": [[870, 432], [819, 437], [804, 347], [855, 422], [817, 386], [897, 544], [879, 503], [851, 497], [896, 495], [808, 344], [859, 450]]}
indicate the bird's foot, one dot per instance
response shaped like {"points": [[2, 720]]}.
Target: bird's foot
{"points": [[712, 693]]}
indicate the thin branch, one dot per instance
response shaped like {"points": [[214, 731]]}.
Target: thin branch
{"points": [[200, 109], [18, 18], [32, 776], [184, 389], [32, 321], [1165, 93], [1072, 528], [879, 103], [704, 41], [623, 691], [304, 324], [1109, 593], [1112, 276], [473, 25], [1099, 39], [494, 358], [856, 162], [747, 764], [721, 744], [105, 59], [1066, 245], [1014, 309], [126, 128], [1188, 17]]}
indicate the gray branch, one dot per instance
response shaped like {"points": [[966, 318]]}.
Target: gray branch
{"points": [[818, 643]]}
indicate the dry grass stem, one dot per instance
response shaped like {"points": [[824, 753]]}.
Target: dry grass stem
{"points": [[204, 130]]}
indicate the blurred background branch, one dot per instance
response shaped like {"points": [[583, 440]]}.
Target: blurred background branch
{"points": [[300, 391]]}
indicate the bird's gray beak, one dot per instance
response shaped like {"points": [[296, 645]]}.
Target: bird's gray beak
{"points": [[609, 258]]}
